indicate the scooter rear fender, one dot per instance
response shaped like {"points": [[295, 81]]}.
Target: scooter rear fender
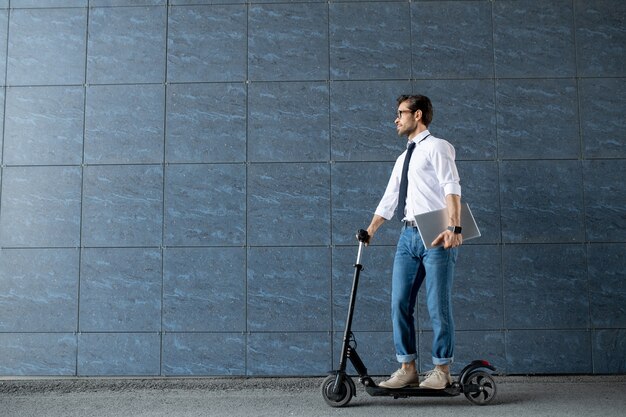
{"points": [[477, 364]]}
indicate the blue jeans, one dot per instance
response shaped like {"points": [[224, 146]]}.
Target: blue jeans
{"points": [[413, 263]]}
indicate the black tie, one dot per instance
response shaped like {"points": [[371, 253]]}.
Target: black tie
{"points": [[404, 182]]}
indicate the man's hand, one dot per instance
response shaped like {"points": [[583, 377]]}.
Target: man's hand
{"points": [[449, 239], [363, 236]]}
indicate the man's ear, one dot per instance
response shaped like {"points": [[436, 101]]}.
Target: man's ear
{"points": [[418, 115]]}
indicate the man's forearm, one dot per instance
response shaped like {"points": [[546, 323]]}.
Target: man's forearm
{"points": [[453, 202], [376, 222]]}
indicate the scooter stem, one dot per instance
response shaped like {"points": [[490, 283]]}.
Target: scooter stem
{"points": [[358, 256]]}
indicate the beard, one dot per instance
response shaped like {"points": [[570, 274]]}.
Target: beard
{"points": [[403, 131]]}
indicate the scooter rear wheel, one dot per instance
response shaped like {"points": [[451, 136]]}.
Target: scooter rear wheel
{"points": [[486, 388], [340, 399]]}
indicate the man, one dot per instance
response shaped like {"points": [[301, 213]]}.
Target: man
{"points": [[431, 183]]}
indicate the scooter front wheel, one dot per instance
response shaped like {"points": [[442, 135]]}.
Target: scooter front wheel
{"points": [[483, 388], [342, 397]]}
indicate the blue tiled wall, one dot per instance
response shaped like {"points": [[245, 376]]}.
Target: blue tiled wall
{"points": [[181, 181]]}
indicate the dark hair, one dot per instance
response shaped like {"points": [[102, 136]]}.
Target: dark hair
{"points": [[419, 102]]}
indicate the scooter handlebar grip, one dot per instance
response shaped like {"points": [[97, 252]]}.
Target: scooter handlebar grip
{"points": [[363, 236]]}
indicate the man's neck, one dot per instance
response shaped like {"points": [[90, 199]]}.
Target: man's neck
{"points": [[416, 132]]}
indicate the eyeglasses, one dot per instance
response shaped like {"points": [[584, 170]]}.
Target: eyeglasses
{"points": [[399, 113]]}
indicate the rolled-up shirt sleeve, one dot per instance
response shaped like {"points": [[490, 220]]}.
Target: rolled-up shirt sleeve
{"points": [[447, 174], [387, 206]]}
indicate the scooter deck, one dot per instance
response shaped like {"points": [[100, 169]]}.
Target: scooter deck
{"points": [[414, 391]]}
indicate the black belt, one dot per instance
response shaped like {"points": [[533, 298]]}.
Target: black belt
{"points": [[410, 223]]}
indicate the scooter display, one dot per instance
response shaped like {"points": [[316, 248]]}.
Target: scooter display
{"points": [[338, 388]]}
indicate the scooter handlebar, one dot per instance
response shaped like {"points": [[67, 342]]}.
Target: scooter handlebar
{"points": [[363, 236]]}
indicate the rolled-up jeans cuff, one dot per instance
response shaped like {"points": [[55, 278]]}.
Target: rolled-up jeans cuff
{"points": [[442, 361], [406, 358]]}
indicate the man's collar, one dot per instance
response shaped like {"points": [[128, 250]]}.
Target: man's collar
{"points": [[420, 136]]}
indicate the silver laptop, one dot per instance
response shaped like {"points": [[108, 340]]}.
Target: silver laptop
{"points": [[431, 224]]}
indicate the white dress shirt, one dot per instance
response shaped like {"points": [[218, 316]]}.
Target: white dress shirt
{"points": [[432, 175]]}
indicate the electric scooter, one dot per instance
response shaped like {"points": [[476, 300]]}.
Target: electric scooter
{"points": [[474, 381]]}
